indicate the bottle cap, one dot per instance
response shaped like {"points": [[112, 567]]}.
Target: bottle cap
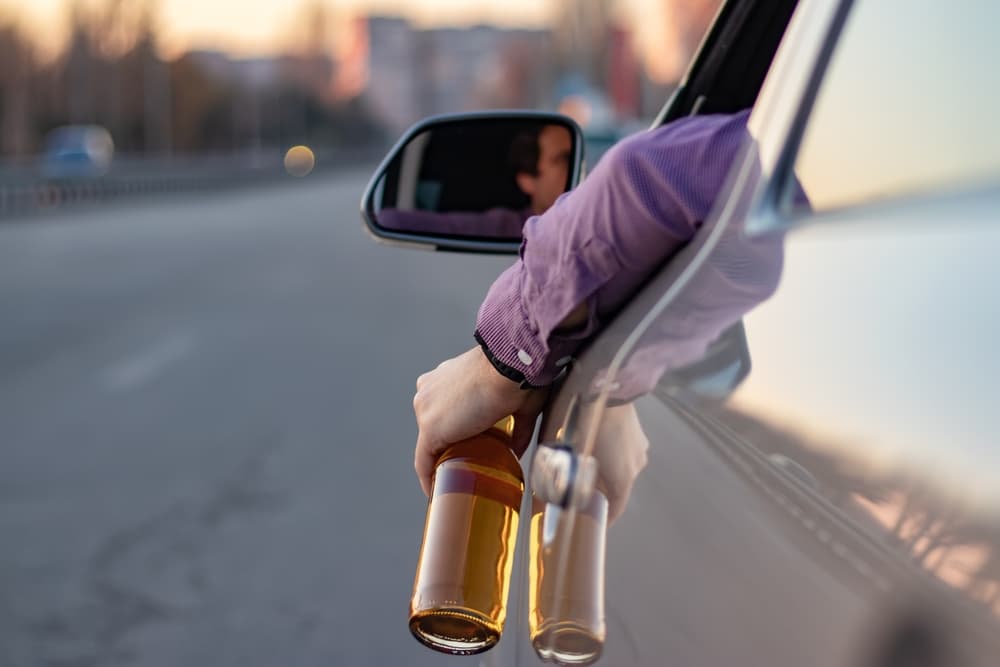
{"points": [[506, 425]]}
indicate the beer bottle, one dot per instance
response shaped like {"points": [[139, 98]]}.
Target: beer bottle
{"points": [[566, 613], [463, 575]]}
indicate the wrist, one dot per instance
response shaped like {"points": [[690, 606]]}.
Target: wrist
{"points": [[507, 373]]}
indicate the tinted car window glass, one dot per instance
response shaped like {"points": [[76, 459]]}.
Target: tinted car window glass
{"points": [[909, 103]]}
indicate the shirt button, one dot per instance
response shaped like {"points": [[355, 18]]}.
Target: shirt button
{"points": [[524, 357]]}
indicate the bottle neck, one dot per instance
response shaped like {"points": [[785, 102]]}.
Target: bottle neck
{"points": [[490, 449]]}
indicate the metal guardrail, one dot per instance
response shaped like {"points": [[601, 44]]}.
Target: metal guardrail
{"points": [[24, 191]]}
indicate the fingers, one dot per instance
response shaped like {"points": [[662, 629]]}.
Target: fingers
{"points": [[424, 456], [423, 463], [419, 399], [464, 396], [621, 451], [617, 504]]}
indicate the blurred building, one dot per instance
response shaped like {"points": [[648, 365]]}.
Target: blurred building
{"points": [[687, 23], [624, 74], [394, 76], [412, 73], [601, 60], [602, 79], [583, 39]]}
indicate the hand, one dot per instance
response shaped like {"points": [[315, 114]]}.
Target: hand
{"points": [[620, 451], [463, 397]]}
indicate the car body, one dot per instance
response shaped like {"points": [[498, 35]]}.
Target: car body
{"points": [[814, 371]]}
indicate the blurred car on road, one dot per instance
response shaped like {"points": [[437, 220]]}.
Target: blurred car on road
{"points": [[77, 151]]}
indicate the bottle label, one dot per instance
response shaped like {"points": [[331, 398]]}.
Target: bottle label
{"points": [[458, 480]]}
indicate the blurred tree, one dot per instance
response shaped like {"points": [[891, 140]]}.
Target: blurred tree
{"points": [[310, 63], [110, 73], [106, 70], [19, 65], [78, 66], [199, 107]]}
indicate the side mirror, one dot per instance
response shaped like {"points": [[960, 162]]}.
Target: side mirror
{"points": [[468, 182], [718, 373]]}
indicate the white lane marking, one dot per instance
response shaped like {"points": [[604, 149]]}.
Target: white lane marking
{"points": [[139, 369]]}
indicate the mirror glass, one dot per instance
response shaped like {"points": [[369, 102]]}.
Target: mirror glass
{"points": [[477, 178]]}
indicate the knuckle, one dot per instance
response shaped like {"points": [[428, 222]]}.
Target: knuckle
{"points": [[419, 406]]}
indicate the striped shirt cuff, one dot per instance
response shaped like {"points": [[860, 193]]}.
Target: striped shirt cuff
{"points": [[511, 342]]}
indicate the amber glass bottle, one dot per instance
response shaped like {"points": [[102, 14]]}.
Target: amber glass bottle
{"points": [[463, 575]]}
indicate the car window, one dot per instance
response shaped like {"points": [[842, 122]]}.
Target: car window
{"points": [[909, 104]]}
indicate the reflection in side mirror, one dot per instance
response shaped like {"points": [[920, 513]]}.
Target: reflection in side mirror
{"points": [[470, 181]]}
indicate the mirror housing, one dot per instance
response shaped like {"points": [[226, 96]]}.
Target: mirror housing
{"points": [[467, 182], [723, 367]]}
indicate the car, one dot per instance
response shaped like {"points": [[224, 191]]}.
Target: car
{"points": [[77, 152], [822, 480]]}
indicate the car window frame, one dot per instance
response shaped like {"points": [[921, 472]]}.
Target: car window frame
{"points": [[774, 210], [779, 196]]}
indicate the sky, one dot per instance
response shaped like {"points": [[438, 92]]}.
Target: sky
{"points": [[262, 27], [255, 26], [247, 28]]}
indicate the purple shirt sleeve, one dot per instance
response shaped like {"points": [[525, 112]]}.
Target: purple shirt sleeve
{"points": [[740, 272], [644, 200]]}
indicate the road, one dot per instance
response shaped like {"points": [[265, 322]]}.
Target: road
{"points": [[206, 429]]}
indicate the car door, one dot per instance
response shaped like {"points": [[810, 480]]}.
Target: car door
{"points": [[812, 377]]}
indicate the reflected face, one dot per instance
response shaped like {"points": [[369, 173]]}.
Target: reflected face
{"points": [[555, 148]]}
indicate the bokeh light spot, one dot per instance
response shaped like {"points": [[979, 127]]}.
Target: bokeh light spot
{"points": [[299, 161]]}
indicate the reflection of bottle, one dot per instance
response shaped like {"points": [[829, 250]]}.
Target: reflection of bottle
{"points": [[567, 626], [463, 576]]}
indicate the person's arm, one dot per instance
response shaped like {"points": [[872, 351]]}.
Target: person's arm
{"points": [[579, 262], [584, 257]]}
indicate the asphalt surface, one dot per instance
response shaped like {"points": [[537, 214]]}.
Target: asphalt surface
{"points": [[206, 429]]}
